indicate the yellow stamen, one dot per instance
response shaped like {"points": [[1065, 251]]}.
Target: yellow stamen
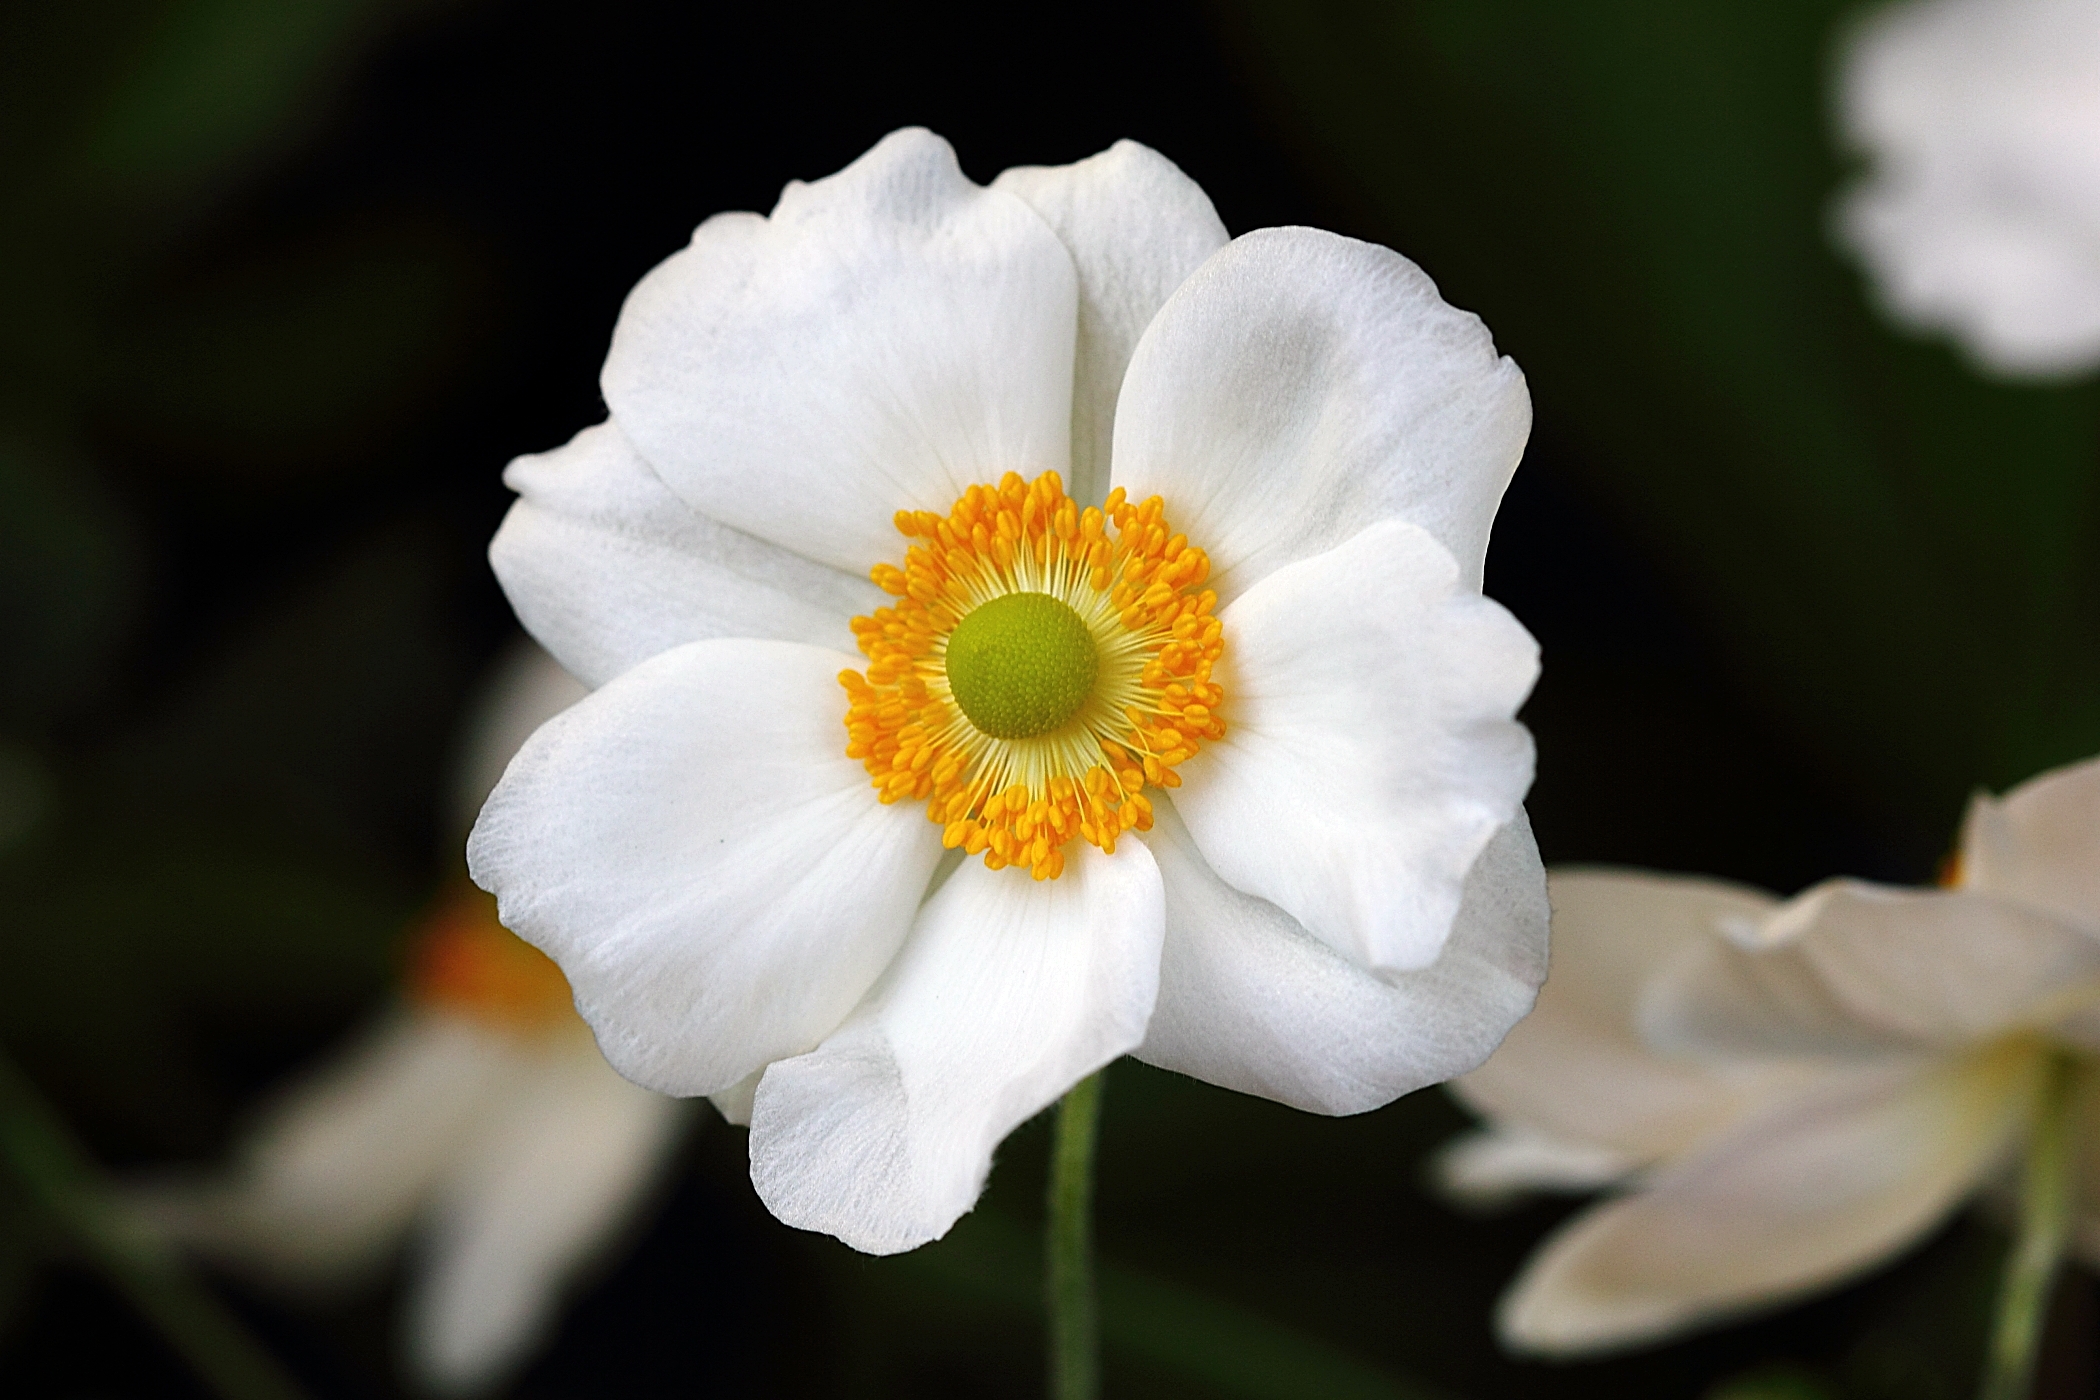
{"points": [[1151, 705]]}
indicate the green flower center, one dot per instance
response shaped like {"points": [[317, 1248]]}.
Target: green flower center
{"points": [[1021, 665]]}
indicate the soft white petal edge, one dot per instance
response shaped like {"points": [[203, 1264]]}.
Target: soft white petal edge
{"points": [[1494, 1166], [2040, 843], [1300, 386], [1576, 1070], [522, 691], [1372, 747], [715, 877], [1250, 1001], [1136, 227], [606, 567], [1009, 992], [891, 335], [334, 1172], [556, 1174], [1850, 966], [1795, 1199]]}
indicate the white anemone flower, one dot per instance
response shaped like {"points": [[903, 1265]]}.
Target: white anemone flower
{"points": [[885, 867], [476, 1116], [1980, 216], [1790, 1092]]}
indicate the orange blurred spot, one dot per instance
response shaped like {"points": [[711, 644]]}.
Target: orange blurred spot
{"points": [[461, 959]]}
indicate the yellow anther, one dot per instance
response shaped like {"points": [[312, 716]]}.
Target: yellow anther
{"points": [[1127, 575]]}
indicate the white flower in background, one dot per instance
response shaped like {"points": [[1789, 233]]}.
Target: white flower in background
{"points": [[1244, 800], [477, 1116], [1790, 1091], [1980, 214]]}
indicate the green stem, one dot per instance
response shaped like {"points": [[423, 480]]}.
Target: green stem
{"points": [[65, 1182], [2046, 1189], [1075, 1348]]}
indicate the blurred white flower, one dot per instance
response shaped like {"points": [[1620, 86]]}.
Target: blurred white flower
{"points": [[477, 1116], [731, 857], [1980, 214], [1789, 1091]]}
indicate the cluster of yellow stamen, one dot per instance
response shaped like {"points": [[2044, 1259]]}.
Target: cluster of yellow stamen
{"points": [[1137, 587]]}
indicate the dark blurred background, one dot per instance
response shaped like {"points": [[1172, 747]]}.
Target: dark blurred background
{"points": [[282, 288]]}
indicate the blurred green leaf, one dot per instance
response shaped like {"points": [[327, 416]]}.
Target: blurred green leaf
{"points": [[1903, 559], [1775, 1383], [68, 571], [211, 84], [1227, 1351], [296, 363]]}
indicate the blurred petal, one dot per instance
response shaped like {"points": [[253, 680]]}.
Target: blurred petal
{"points": [[1250, 1001], [734, 1103], [606, 567], [331, 1177], [891, 335], [1136, 227], [1576, 1070], [1494, 1165], [525, 690], [713, 874], [1854, 966], [557, 1171], [1372, 748], [1010, 992], [1794, 1200], [1301, 386], [2040, 843]]}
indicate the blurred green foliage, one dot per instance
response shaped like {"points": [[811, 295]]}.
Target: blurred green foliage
{"points": [[216, 781], [1902, 559]]}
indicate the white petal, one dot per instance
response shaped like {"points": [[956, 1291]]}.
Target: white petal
{"points": [[1576, 1070], [1794, 1200], [331, 1177], [1854, 965], [606, 567], [1136, 228], [891, 335], [1371, 747], [524, 690], [565, 1160], [734, 1103], [1301, 386], [1249, 1000], [1496, 1165], [713, 874], [2040, 843], [1009, 993]]}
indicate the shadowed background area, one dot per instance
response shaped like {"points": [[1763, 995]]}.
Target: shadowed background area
{"points": [[282, 288]]}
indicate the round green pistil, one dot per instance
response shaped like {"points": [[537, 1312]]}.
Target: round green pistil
{"points": [[1021, 665]]}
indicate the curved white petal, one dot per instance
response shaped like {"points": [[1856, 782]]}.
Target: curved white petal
{"points": [[523, 690], [1576, 1070], [1136, 228], [1849, 965], [713, 874], [1249, 1000], [330, 1178], [2040, 843], [1371, 747], [1300, 386], [556, 1172], [1009, 993], [1498, 1164], [1980, 213], [889, 336], [606, 567], [1793, 1200]]}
